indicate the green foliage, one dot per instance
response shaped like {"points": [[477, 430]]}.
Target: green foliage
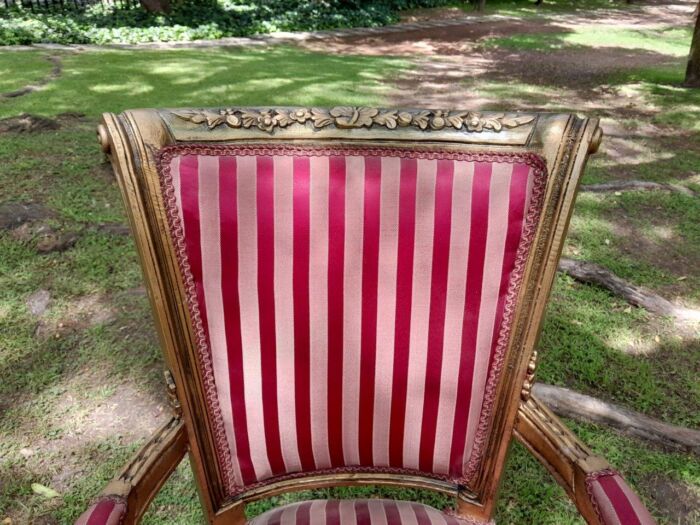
{"points": [[195, 20]]}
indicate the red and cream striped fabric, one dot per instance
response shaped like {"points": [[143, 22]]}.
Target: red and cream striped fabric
{"points": [[352, 306], [615, 502], [358, 512], [106, 511]]}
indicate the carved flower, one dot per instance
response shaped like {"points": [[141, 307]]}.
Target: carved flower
{"points": [[300, 115], [404, 118], [353, 117], [439, 119], [229, 116], [263, 120], [474, 122]]}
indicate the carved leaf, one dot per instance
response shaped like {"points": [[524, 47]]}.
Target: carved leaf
{"points": [[250, 118], [387, 118], [283, 118], [351, 117], [421, 119], [514, 122], [320, 118], [199, 117], [456, 118]]}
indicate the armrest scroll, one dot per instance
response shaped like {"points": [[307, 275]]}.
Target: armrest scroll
{"points": [[126, 498]]}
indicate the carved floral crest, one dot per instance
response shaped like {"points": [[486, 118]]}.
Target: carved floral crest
{"points": [[346, 117]]}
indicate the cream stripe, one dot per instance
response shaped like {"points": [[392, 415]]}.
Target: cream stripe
{"points": [[605, 506], [386, 307], [436, 517], [250, 322], [318, 309], [420, 309], [408, 515], [454, 314], [289, 514], [346, 511], [210, 242], [284, 308], [499, 197], [377, 511], [352, 305], [317, 512]]}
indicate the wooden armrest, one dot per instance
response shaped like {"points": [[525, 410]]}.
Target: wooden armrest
{"points": [[144, 475], [561, 452]]}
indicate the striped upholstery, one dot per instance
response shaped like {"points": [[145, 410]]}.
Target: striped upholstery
{"points": [[358, 512], [352, 307], [615, 502], [106, 511]]}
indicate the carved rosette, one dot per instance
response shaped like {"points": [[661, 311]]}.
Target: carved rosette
{"points": [[529, 377], [347, 117]]}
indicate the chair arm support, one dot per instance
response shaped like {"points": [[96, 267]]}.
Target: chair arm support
{"points": [[560, 451], [141, 479], [585, 477]]}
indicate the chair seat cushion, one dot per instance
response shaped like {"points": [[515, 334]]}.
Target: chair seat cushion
{"points": [[360, 512], [615, 502], [105, 511]]}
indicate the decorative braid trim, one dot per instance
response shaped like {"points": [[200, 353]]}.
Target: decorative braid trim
{"points": [[516, 278], [592, 478], [177, 235]]}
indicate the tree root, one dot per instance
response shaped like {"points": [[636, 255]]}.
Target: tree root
{"points": [[591, 273], [53, 75], [636, 185], [568, 403]]}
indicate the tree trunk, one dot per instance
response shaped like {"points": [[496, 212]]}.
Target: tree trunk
{"points": [[480, 5], [156, 6], [692, 73]]}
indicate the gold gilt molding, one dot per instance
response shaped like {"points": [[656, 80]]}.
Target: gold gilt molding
{"points": [[347, 117]]}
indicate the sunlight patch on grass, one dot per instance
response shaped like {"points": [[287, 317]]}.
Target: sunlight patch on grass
{"points": [[671, 42]]}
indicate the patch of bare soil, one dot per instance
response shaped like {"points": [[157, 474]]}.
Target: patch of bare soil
{"points": [[28, 123], [451, 40], [681, 502]]}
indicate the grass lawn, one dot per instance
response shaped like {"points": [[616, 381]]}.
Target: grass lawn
{"points": [[64, 371]]}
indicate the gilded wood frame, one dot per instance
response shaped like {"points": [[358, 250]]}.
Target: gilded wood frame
{"points": [[133, 139]]}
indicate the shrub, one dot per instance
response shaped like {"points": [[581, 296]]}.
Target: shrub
{"points": [[100, 24]]}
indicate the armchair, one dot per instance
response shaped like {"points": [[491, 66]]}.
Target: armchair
{"points": [[352, 296]]}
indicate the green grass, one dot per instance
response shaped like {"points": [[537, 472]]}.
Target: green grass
{"points": [[671, 42], [527, 8], [53, 384], [116, 80], [34, 67]]}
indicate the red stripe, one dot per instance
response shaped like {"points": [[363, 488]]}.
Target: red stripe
{"points": [[189, 196], [303, 514], [516, 214], [393, 517], [100, 514], [266, 298], [228, 216], [370, 269], [404, 288], [623, 508], [421, 515], [302, 366], [475, 271], [336, 258], [275, 517], [438, 299], [362, 516], [332, 510]]}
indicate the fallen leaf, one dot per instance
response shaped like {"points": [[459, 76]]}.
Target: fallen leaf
{"points": [[26, 452], [44, 491], [682, 278], [657, 339]]}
